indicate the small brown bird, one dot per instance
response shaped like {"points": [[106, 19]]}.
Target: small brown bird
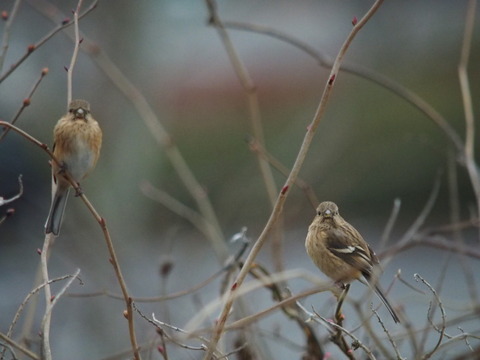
{"points": [[77, 142], [340, 252]]}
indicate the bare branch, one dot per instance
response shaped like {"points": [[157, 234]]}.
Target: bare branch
{"points": [[73, 61], [25, 102], [41, 5], [6, 31], [4, 201], [442, 310], [389, 337], [468, 104]]}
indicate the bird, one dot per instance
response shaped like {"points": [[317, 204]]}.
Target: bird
{"points": [[77, 143], [341, 253]]}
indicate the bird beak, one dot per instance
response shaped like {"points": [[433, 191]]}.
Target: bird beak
{"points": [[327, 214], [80, 113]]}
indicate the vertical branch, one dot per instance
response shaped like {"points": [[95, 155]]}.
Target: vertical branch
{"points": [[75, 52], [454, 204], [252, 96], [45, 327], [390, 223], [254, 112], [6, 32], [467, 104], [278, 208]]}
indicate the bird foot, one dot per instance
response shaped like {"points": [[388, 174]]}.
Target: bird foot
{"points": [[62, 168], [78, 190]]}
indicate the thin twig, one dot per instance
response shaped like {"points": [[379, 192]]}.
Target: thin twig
{"points": [[26, 102], [49, 299], [26, 300], [276, 164], [6, 31], [419, 221], [17, 346], [442, 310], [390, 223], [30, 294], [159, 324], [454, 206], [330, 324], [229, 263], [4, 201], [174, 205], [389, 337], [73, 61], [40, 5], [250, 286], [438, 289], [278, 208], [287, 301]]}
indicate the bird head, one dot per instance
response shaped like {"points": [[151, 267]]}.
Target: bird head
{"points": [[327, 210], [79, 108]]}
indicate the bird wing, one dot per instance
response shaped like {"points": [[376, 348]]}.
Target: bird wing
{"points": [[351, 248]]}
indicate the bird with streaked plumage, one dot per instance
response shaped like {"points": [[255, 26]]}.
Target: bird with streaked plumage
{"points": [[77, 142], [341, 253]]}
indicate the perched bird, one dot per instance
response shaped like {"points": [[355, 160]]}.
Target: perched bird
{"points": [[340, 252], [77, 142]]}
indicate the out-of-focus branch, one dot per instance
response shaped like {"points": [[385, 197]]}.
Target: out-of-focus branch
{"points": [[471, 165], [46, 8], [368, 74], [251, 93], [26, 102], [6, 31], [390, 223], [23, 349], [256, 147]]}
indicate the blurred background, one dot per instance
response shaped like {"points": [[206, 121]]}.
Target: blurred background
{"points": [[371, 148]]}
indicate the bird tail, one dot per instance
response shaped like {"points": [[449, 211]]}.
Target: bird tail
{"points": [[57, 209], [389, 307]]}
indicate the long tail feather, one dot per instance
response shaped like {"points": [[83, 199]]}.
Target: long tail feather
{"points": [[57, 209], [382, 297]]}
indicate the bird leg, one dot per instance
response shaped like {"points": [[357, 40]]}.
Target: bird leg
{"points": [[338, 311]]}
